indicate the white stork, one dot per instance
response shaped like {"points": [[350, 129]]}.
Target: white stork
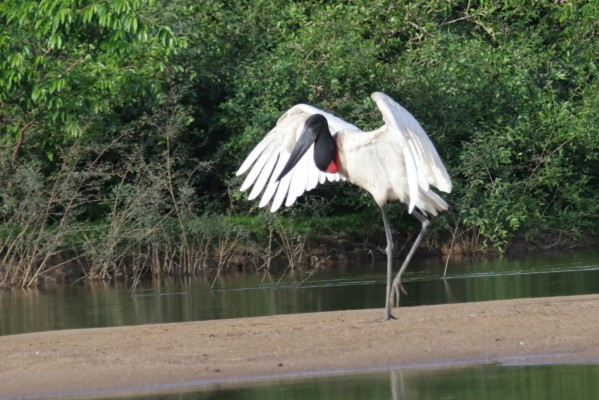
{"points": [[398, 161]]}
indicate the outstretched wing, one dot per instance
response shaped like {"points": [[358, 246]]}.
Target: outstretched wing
{"points": [[423, 164], [266, 161]]}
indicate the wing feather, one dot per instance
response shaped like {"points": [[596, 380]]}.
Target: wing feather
{"points": [[263, 175], [299, 180], [257, 151], [255, 172], [272, 184], [281, 192], [266, 161], [423, 164]]}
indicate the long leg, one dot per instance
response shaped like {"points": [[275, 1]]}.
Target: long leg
{"points": [[396, 287], [389, 251]]}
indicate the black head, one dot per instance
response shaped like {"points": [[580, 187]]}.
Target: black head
{"points": [[316, 128], [317, 123]]}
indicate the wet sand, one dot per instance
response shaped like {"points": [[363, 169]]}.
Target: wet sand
{"points": [[146, 358]]}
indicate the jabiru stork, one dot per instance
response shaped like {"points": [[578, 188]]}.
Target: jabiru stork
{"points": [[398, 161]]}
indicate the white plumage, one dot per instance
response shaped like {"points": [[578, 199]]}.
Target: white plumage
{"points": [[395, 162], [398, 161], [270, 155]]}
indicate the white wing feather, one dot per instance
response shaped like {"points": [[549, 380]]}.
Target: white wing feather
{"points": [[423, 164], [266, 161]]}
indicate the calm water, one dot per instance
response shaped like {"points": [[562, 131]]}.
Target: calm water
{"points": [[531, 382], [338, 288]]}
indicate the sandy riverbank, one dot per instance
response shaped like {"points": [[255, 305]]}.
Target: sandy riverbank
{"points": [[147, 357]]}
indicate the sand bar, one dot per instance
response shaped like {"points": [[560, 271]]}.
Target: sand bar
{"points": [[144, 358]]}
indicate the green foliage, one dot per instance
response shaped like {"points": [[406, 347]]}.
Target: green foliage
{"points": [[506, 91], [67, 67], [160, 102]]}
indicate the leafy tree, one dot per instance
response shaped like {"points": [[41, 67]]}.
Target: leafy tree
{"points": [[68, 67]]}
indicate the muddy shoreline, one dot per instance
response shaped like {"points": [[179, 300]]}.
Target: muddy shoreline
{"points": [[138, 359]]}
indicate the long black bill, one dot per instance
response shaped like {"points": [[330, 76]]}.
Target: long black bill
{"points": [[307, 138]]}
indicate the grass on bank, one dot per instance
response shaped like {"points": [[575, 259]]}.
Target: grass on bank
{"points": [[209, 244]]}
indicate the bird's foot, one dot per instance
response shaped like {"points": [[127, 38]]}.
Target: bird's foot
{"points": [[389, 308]]}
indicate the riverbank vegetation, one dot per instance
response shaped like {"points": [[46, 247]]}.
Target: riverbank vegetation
{"points": [[122, 124]]}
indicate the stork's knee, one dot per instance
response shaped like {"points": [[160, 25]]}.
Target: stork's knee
{"points": [[389, 248]]}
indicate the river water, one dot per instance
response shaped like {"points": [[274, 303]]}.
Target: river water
{"points": [[490, 382], [340, 287]]}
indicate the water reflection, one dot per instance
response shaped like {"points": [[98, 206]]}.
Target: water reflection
{"points": [[340, 287], [532, 382]]}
